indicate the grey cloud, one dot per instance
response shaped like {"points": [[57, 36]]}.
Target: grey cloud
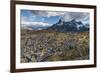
{"points": [[66, 16], [74, 15]]}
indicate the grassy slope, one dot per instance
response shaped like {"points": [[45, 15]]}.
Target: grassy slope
{"points": [[39, 46]]}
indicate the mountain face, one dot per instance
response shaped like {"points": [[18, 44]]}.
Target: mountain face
{"points": [[74, 26], [61, 26]]}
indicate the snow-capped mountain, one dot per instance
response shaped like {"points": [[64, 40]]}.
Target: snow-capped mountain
{"points": [[72, 25], [60, 26]]}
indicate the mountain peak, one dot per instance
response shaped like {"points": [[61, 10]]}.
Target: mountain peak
{"points": [[60, 22], [73, 20], [72, 25]]}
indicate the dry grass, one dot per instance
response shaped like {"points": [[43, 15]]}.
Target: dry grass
{"points": [[41, 46]]}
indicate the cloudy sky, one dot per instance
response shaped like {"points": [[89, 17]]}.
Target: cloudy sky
{"points": [[47, 18]]}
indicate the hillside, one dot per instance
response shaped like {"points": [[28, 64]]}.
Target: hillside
{"points": [[41, 46]]}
